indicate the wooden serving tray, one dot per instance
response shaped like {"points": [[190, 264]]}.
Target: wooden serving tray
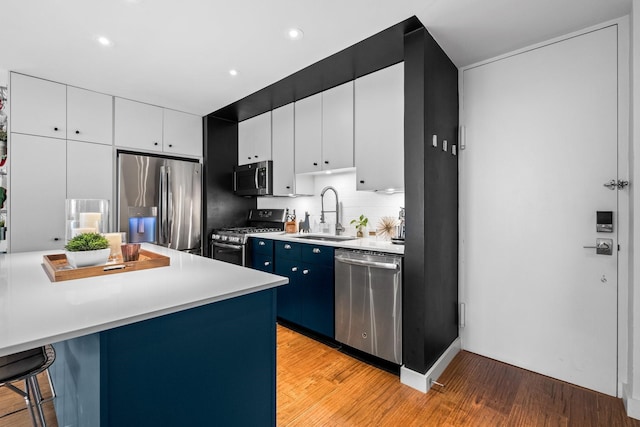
{"points": [[58, 269]]}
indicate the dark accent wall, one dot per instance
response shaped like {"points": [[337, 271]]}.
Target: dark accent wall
{"points": [[431, 199], [372, 54], [222, 208]]}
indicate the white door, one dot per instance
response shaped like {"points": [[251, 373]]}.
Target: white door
{"points": [[541, 134]]}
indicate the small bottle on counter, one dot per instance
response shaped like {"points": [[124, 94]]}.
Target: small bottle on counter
{"points": [[290, 225]]}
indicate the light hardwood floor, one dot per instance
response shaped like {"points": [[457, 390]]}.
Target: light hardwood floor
{"points": [[317, 385]]}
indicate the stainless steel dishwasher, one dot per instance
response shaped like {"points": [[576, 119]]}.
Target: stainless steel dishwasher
{"points": [[368, 302]]}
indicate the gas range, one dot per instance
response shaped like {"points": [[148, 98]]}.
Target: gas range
{"points": [[239, 235], [230, 244]]}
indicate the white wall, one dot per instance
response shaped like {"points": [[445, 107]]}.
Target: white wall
{"points": [[353, 203]]}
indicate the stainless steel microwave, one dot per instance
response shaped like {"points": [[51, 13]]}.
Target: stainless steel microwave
{"points": [[254, 179]]}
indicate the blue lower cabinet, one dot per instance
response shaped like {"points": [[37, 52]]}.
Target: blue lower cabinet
{"points": [[308, 299], [261, 253], [318, 302], [289, 296], [213, 365]]}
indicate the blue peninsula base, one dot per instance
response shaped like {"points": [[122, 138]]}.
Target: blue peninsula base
{"points": [[204, 366]]}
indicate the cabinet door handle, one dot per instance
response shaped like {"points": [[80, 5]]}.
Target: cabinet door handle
{"points": [[55, 239], [305, 271], [155, 143], [77, 132], [261, 243], [287, 246], [266, 263], [55, 129], [316, 250], [170, 145], [362, 181], [315, 164], [294, 269], [326, 162]]}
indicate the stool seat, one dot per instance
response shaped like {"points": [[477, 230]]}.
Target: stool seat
{"points": [[15, 366], [25, 365]]}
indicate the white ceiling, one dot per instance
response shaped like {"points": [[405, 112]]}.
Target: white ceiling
{"points": [[177, 54]]}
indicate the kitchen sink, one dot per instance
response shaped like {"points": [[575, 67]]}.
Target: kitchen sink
{"points": [[325, 237]]}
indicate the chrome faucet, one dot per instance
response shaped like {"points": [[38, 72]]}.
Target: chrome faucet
{"points": [[339, 227]]}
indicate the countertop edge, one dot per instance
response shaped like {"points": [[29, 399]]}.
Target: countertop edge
{"points": [[358, 243]]}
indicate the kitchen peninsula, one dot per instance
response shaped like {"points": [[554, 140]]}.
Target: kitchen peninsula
{"points": [[192, 343]]}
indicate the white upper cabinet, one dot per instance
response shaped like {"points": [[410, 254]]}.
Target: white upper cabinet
{"points": [[138, 125], [308, 134], [282, 149], [254, 139], [182, 133], [324, 130], [38, 107], [89, 116], [337, 127], [89, 171], [379, 130]]}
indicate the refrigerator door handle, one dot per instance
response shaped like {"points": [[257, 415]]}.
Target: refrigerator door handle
{"points": [[162, 206], [169, 210]]}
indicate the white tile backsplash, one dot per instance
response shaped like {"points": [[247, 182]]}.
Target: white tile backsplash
{"points": [[352, 203]]}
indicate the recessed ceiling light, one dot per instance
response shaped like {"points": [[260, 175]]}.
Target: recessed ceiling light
{"points": [[295, 34], [233, 72], [104, 41]]}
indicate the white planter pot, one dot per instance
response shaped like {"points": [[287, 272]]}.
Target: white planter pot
{"points": [[88, 258]]}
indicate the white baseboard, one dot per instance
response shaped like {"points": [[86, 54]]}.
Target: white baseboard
{"points": [[630, 404], [423, 382]]}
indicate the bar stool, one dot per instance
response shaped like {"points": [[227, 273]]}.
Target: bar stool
{"points": [[25, 365]]}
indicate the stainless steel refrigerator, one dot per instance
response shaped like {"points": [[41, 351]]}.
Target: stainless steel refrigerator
{"points": [[160, 201]]}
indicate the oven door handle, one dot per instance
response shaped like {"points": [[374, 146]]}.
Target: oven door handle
{"points": [[228, 246]]}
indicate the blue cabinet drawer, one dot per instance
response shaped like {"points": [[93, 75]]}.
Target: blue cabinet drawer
{"points": [[262, 246], [287, 250], [318, 254], [262, 262]]}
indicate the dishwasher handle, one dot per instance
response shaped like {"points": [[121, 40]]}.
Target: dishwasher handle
{"points": [[365, 263]]}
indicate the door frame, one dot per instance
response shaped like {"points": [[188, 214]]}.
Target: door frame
{"points": [[623, 158]]}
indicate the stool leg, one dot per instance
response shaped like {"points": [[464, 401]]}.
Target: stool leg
{"points": [[51, 386], [37, 395]]}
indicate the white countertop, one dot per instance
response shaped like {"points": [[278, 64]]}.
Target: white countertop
{"points": [[362, 243], [35, 311]]}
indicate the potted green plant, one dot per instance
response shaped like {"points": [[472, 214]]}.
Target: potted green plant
{"points": [[87, 249], [360, 224]]}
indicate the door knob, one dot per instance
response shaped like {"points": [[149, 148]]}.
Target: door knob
{"points": [[616, 184], [602, 247]]}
